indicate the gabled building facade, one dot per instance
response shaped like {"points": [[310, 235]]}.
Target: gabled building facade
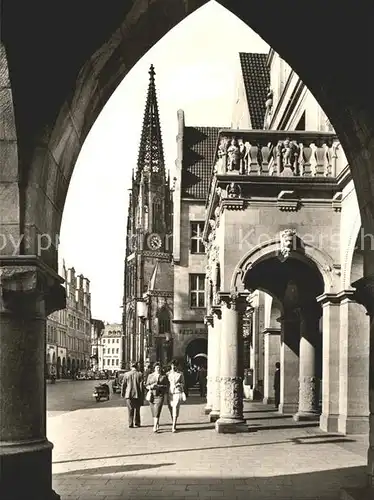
{"points": [[266, 253]]}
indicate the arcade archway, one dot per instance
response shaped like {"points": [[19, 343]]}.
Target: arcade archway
{"points": [[296, 284], [196, 353]]}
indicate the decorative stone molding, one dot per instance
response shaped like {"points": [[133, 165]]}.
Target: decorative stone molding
{"points": [[287, 243], [157, 255], [208, 320], [233, 190], [288, 201], [337, 202], [277, 153], [160, 293], [233, 204], [231, 397], [26, 282], [364, 293], [216, 311], [233, 300]]}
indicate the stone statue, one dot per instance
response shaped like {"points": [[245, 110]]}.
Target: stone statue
{"points": [[269, 100], [233, 154], [233, 191], [289, 151], [242, 152], [287, 243]]}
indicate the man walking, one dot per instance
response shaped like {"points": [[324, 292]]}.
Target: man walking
{"points": [[133, 391], [277, 385]]}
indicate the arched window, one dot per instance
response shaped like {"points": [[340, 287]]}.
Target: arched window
{"points": [[163, 317]]}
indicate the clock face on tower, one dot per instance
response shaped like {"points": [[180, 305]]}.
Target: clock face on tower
{"points": [[154, 241]]}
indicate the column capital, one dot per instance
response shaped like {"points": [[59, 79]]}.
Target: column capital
{"points": [[336, 298], [234, 300], [271, 331], [364, 293], [208, 320], [216, 311], [25, 282]]}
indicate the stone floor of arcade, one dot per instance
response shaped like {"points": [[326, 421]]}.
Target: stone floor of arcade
{"points": [[98, 457]]}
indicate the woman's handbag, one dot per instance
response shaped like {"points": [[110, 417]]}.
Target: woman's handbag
{"points": [[184, 397], [149, 396]]}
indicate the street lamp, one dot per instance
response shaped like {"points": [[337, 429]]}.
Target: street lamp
{"points": [[142, 312]]}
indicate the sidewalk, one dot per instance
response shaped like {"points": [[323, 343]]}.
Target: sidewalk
{"points": [[97, 457]]}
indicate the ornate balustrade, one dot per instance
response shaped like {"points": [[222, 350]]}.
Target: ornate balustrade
{"points": [[276, 153]]}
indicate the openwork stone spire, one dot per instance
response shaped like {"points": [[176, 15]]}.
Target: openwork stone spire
{"points": [[151, 155]]}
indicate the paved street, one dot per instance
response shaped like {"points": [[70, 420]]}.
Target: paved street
{"points": [[97, 457]]}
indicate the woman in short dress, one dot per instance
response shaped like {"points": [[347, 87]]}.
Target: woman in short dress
{"points": [[157, 384], [176, 392]]}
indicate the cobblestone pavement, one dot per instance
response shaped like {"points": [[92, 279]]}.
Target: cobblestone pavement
{"points": [[97, 457]]}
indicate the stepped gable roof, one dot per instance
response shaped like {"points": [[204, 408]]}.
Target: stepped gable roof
{"points": [[199, 146], [256, 78]]}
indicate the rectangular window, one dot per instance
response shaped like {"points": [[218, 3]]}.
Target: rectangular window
{"points": [[197, 290], [104, 350], [197, 245], [117, 350], [117, 362]]}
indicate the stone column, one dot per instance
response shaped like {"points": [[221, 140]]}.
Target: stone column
{"points": [[308, 381], [216, 353], [364, 295], [208, 320], [272, 356], [289, 361], [330, 361], [29, 292], [255, 351], [353, 366], [231, 406]]}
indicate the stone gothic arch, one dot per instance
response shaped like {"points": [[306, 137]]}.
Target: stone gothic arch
{"points": [[164, 320]]}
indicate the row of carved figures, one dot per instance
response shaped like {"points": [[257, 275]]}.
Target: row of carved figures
{"points": [[287, 157]]}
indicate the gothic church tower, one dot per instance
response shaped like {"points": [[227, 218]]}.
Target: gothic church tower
{"points": [[148, 290]]}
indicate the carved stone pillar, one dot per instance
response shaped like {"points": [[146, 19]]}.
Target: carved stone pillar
{"points": [[208, 320], [272, 356], [330, 366], [365, 295], [308, 380], [353, 366], [231, 369], [29, 292], [289, 361], [216, 353]]}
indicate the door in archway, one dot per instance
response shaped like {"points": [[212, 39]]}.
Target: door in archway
{"points": [[196, 352]]}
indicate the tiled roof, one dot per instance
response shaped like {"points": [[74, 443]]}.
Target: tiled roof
{"points": [[256, 78], [198, 154]]}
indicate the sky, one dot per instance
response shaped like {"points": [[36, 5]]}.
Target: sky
{"points": [[196, 67]]}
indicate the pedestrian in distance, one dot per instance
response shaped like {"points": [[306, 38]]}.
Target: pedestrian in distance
{"points": [[133, 391], [176, 394], [157, 386], [277, 385]]}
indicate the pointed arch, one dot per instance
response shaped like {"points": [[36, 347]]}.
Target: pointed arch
{"points": [[164, 320]]}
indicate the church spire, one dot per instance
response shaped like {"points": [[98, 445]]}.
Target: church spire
{"points": [[151, 154]]}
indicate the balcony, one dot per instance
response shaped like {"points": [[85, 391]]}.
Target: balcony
{"points": [[277, 153], [288, 167]]}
